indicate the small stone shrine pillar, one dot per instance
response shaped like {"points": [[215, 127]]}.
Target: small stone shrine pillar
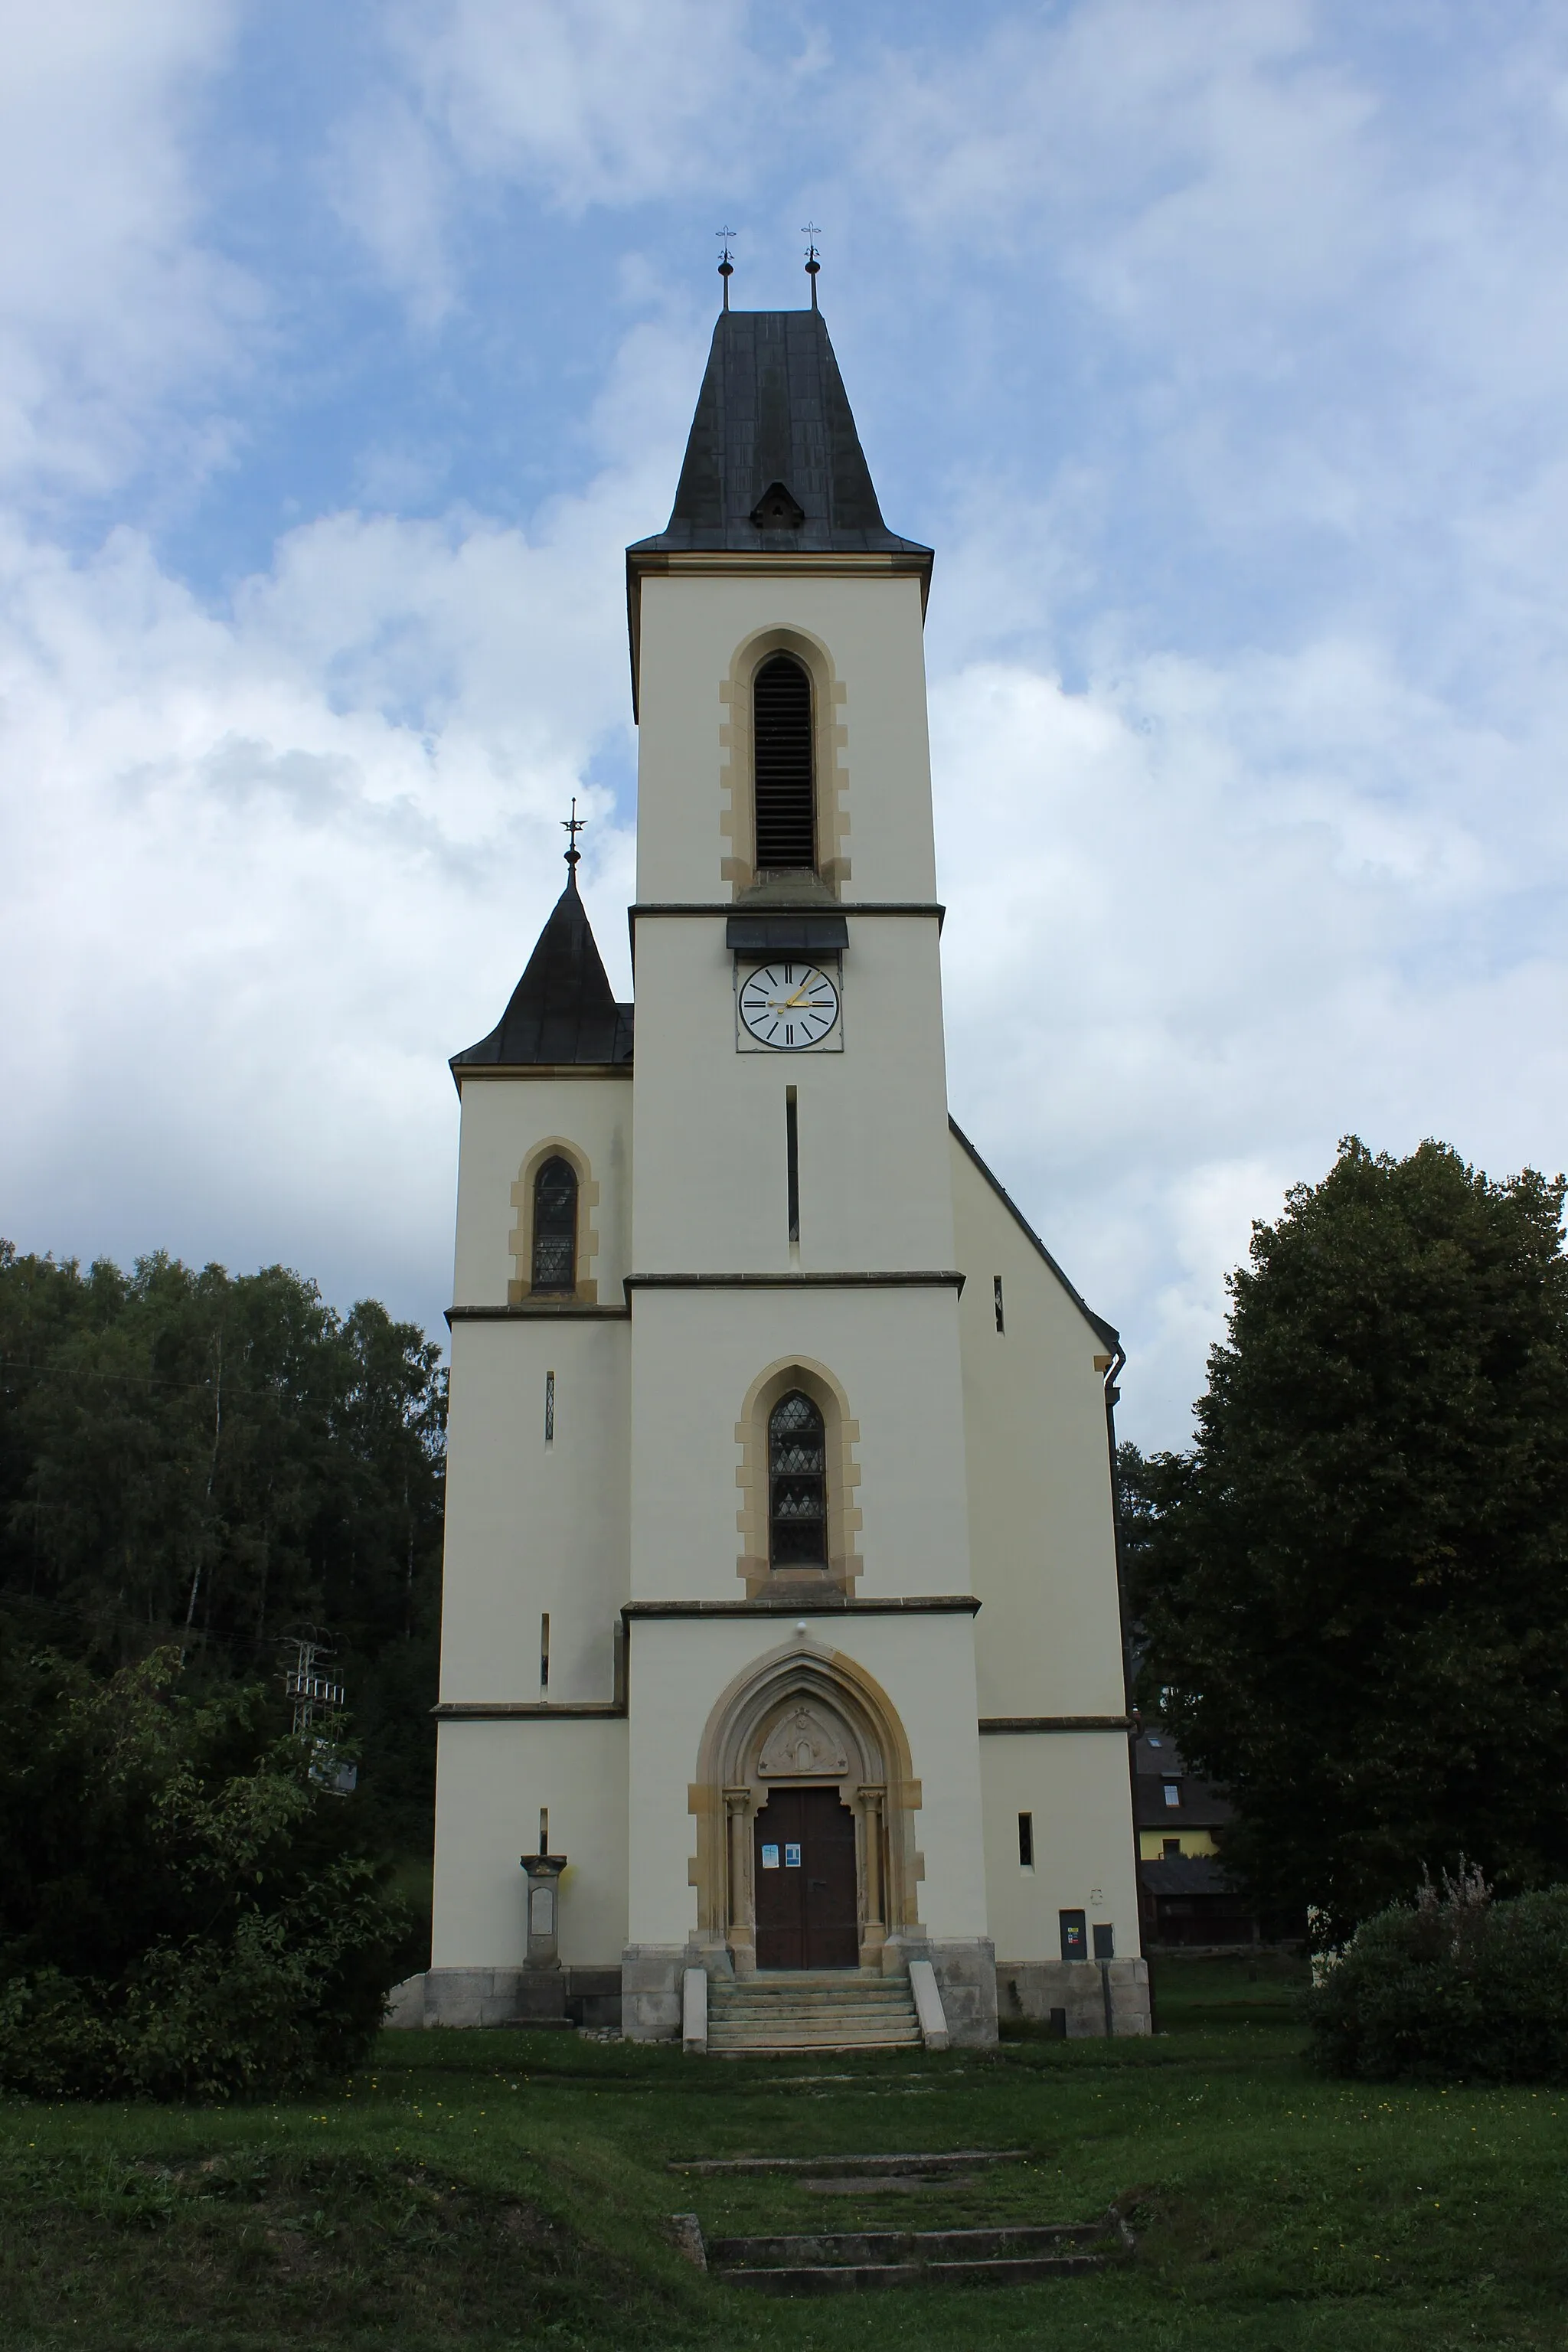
{"points": [[544, 1870]]}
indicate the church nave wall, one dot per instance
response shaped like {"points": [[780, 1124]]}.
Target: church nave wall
{"points": [[1049, 1641], [697, 1355], [492, 1779], [535, 1523]]}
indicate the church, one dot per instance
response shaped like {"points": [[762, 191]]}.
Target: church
{"points": [[783, 1695]]}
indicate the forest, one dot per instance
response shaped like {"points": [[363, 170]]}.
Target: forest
{"points": [[220, 1463]]}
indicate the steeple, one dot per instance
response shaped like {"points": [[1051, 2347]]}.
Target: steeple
{"points": [[562, 1010], [774, 465]]}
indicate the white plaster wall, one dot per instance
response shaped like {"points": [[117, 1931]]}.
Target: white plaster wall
{"points": [[491, 1779], [695, 1355], [502, 1121], [710, 1121], [1042, 1535], [1076, 1785], [532, 1527], [679, 1667], [692, 624]]}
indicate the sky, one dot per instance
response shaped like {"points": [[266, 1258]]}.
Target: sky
{"points": [[1219, 348]]}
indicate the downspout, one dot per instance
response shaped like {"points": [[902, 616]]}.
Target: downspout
{"points": [[1112, 1397]]}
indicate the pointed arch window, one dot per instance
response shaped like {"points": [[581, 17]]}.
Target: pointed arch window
{"points": [[555, 1227], [785, 781], [797, 1484]]}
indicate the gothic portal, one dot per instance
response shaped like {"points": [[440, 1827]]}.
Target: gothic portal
{"points": [[781, 1625]]}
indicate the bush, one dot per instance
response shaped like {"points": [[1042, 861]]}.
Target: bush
{"points": [[184, 1911], [1455, 1988]]}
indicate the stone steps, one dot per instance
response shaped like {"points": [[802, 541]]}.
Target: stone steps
{"points": [[810, 2009], [848, 2262]]}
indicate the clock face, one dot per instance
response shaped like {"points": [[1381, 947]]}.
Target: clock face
{"points": [[788, 1005]]}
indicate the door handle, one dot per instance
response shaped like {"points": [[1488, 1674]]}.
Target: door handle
{"points": [[817, 1881]]}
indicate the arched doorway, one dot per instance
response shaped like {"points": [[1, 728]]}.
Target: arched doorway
{"points": [[805, 1802]]}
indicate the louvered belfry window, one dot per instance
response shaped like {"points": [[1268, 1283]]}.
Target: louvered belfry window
{"points": [[555, 1227], [798, 1484], [785, 789]]}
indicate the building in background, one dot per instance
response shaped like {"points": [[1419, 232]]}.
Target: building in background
{"points": [[1187, 1899]]}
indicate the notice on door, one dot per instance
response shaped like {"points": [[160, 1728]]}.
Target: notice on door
{"points": [[771, 1857], [792, 1857]]}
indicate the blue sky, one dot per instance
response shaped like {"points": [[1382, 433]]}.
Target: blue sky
{"points": [[1221, 351]]}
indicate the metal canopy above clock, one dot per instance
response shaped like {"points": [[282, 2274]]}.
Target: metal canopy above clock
{"points": [[770, 935]]}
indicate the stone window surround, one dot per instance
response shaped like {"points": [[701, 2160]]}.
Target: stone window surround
{"points": [[841, 1434], [737, 815], [519, 1241]]}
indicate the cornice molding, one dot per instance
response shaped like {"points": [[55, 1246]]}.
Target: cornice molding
{"points": [[919, 1605], [529, 1311], [1029, 1723], [500, 1710], [942, 1279]]}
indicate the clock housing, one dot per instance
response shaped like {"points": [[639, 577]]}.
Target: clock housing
{"points": [[788, 1005]]}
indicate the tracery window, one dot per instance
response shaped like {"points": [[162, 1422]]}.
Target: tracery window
{"points": [[782, 773], [797, 1484], [555, 1227]]}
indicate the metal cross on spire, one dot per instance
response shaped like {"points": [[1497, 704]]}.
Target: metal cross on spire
{"points": [[811, 264], [571, 827], [726, 266]]}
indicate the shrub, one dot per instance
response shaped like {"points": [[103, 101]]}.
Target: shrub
{"points": [[1453, 1988], [183, 1909]]}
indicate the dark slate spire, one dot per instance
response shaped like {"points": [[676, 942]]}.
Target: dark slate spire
{"points": [[774, 464], [563, 1008]]}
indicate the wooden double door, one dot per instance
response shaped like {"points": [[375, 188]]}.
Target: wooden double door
{"points": [[804, 1864]]}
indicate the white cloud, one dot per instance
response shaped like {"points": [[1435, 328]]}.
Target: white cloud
{"points": [[1205, 920], [266, 872], [579, 102], [109, 299]]}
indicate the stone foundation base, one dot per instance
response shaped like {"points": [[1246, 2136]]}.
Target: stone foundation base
{"points": [[1035, 1988], [652, 1977], [479, 1997], [965, 1972]]}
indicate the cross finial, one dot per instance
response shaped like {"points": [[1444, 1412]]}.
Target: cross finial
{"points": [[811, 263], [726, 266], [571, 827]]}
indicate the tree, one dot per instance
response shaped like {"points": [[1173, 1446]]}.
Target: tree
{"points": [[183, 1909], [206, 1459], [1352, 1592]]}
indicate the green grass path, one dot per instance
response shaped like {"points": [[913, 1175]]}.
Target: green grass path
{"points": [[511, 2189]]}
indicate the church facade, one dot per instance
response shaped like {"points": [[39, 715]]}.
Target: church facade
{"points": [[781, 1626]]}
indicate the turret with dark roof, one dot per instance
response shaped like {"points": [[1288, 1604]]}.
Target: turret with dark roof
{"points": [[562, 1010]]}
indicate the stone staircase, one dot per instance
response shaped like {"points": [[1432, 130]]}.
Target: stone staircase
{"points": [[810, 2008], [845, 2262]]}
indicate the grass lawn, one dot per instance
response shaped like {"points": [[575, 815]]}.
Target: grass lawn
{"points": [[491, 2189]]}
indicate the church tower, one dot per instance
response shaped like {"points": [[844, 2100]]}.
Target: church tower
{"points": [[781, 1626]]}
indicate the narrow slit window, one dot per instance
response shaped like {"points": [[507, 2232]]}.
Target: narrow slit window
{"points": [[797, 1484], [550, 1408], [555, 1227], [996, 1294], [782, 773], [544, 1829], [1025, 1841], [544, 1651], [791, 1160]]}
